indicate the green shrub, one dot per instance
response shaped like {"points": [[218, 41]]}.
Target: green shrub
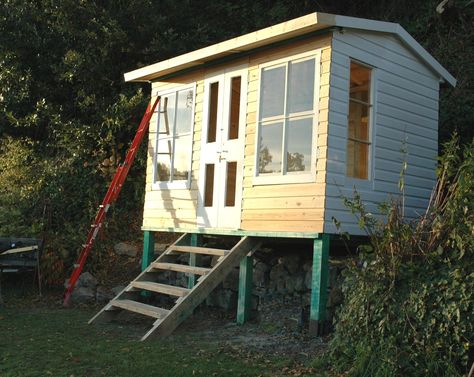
{"points": [[409, 301]]}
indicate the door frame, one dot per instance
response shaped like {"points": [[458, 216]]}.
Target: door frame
{"points": [[211, 217]]}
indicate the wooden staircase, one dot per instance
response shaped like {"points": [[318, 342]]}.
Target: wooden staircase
{"points": [[187, 298]]}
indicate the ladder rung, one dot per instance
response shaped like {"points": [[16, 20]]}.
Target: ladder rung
{"points": [[180, 268], [200, 250], [138, 307], [160, 288]]}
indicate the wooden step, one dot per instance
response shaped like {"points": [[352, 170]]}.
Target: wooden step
{"points": [[160, 288], [181, 268], [200, 250], [138, 307], [207, 283]]}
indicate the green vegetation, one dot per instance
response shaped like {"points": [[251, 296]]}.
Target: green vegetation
{"points": [[409, 301], [58, 342], [68, 117]]}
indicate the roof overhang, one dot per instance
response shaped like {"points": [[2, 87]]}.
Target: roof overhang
{"points": [[301, 26]]}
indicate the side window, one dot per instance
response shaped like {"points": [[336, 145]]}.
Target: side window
{"points": [[358, 134], [286, 118], [174, 137]]}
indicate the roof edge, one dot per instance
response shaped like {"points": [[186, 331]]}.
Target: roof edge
{"points": [[271, 34], [279, 32], [393, 28]]}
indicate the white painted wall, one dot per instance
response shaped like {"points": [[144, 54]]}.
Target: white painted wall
{"points": [[405, 110]]}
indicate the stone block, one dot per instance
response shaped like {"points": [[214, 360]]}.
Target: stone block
{"points": [[86, 279], [119, 288], [126, 249], [159, 248], [83, 295], [223, 298], [232, 280], [308, 279], [103, 295]]}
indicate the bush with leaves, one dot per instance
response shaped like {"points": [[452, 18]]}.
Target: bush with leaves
{"points": [[409, 301]]}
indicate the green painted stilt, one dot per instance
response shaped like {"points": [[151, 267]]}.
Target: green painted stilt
{"points": [[148, 248], [148, 253], [245, 290], [319, 289]]}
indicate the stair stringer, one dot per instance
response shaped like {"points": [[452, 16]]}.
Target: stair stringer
{"points": [[206, 284], [109, 312]]}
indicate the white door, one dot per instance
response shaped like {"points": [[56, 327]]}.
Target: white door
{"points": [[222, 149]]}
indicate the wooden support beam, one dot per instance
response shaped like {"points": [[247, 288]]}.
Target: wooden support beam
{"points": [[148, 248], [319, 285], [195, 240], [202, 289], [244, 304]]}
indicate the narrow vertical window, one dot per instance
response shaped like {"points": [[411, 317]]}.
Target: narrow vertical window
{"points": [[209, 186], [230, 184], [212, 122], [234, 116], [358, 134]]}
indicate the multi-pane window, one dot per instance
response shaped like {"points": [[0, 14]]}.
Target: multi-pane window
{"points": [[174, 141], [358, 136], [286, 118]]}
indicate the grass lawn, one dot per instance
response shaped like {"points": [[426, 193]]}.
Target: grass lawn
{"points": [[58, 342]]}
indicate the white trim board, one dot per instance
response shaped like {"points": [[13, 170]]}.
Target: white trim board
{"points": [[279, 32]]}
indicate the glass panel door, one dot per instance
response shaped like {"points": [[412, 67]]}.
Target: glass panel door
{"points": [[222, 149]]}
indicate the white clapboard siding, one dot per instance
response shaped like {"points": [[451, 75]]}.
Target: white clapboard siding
{"points": [[404, 127]]}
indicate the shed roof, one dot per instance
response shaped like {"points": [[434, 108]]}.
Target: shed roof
{"points": [[280, 32]]}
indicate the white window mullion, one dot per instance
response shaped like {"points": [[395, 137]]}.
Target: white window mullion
{"points": [[284, 158], [173, 142]]}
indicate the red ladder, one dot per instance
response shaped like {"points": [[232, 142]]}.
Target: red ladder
{"points": [[110, 197]]}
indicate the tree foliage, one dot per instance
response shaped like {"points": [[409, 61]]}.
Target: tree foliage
{"points": [[67, 117]]}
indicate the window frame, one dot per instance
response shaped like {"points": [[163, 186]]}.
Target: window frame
{"points": [[177, 184], [354, 181], [285, 177]]}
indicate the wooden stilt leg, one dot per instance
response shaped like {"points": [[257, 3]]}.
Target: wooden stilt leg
{"points": [[245, 290], [193, 258], [148, 253], [148, 249], [319, 287]]}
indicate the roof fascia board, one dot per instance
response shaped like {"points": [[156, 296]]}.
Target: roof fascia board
{"points": [[238, 55], [275, 33], [393, 28], [231, 48]]}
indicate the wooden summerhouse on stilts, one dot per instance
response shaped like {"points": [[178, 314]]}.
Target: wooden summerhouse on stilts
{"points": [[260, 136]]}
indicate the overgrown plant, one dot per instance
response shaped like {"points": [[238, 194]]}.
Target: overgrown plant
{"points": [[409, 302]]}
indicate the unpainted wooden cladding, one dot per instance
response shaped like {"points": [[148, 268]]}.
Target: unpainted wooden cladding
{"points": [[263, 206]]}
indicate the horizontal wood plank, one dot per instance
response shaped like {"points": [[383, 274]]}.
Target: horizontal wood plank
{"points": [[200, 250], [138, 307], [160, 288], [181, 268]]}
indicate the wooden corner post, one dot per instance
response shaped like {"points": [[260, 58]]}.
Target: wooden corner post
{"points": [[319, 285], [148, 248], [245, 290]]}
